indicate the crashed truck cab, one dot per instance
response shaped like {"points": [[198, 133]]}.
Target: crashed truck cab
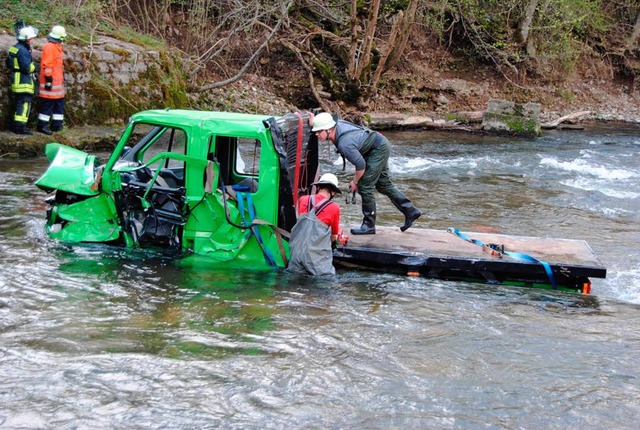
{"points": [[212, 183]]}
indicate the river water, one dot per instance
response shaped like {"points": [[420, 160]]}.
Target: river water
{"points": [[96, 337]]}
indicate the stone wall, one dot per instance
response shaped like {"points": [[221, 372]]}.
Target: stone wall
{"points": [[106, 82]]}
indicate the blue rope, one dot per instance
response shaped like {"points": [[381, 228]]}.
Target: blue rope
{"points": [[515, 255]]}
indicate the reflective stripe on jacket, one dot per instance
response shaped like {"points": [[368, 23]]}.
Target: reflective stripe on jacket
{"points": [[21, 64], [51, 70]]}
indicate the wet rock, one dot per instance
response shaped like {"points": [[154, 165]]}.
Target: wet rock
{"points": [[442, 100], [514, 118]]}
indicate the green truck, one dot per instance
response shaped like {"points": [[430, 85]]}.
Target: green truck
{"points": [[211, 183]]}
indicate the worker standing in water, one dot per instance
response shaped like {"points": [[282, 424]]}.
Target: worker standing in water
{"points": [[318, 226]]}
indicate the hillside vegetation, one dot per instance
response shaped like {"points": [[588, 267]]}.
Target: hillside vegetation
{"points": [[362, 56]]}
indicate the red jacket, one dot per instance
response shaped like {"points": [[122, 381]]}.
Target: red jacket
{"points": [[51, 70]]}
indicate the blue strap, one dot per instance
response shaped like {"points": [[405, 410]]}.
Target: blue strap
{"points": [[240, 199], [243, 192], [515, 255], [252, 209]]}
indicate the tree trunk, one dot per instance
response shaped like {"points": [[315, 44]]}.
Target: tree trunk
{"points": [[353, 49], [394, 47], [635, 34], [405, 33], [359, 62], [525, 27]]}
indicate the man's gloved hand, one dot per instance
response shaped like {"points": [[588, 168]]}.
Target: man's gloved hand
{"points": [[48, 84]]}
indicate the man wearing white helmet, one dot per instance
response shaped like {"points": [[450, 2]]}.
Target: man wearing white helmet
{"points": [[317, 228], [52, 82], [20, 62], [369, 152]]}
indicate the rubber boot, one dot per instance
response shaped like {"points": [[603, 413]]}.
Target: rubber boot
{"points": [[410, 212], [43, 127], [21, 128], [369, 220], [56, 125]]}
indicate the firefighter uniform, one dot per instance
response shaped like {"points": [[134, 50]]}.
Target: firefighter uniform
{"points": [[20, 63], [52, 83]]}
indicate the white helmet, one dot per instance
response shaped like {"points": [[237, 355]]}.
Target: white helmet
{"points": [[58, 32], [27, 33], [329, 179], [323, 121]]}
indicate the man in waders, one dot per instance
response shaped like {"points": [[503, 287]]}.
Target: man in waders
{"points": [[52, 83], [20, 63], [318, 226], [369, 152]]}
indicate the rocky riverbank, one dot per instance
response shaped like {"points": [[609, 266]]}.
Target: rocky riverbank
{"points": [[103, 138]]}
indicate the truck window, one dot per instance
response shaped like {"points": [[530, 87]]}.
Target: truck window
{"points": [[247, 160], [238, 159], [169, 140]]}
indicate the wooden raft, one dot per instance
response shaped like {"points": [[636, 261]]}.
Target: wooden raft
{"points": [[441, 254]]}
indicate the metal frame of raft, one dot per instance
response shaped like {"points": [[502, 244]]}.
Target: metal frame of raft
{"points": [[558, 264]]}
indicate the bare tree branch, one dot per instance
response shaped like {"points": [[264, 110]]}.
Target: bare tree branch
{"points": [[285, 15], [312, 84]]}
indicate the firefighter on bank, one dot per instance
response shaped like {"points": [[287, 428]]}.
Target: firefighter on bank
{"points": [[52, 83], [20, 63]]}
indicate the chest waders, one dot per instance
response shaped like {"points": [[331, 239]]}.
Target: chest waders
{"points": [[310, 243], [376, 177]]}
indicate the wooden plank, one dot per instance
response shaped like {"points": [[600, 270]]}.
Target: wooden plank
{"points": [[441, 243], [441, 254]]}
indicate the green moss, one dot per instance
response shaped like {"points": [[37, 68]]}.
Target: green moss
{"points": [[101, 101], [130, 35], [566, 94], [325, 70], [124, 53], [173, 80], [524, 126]]}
